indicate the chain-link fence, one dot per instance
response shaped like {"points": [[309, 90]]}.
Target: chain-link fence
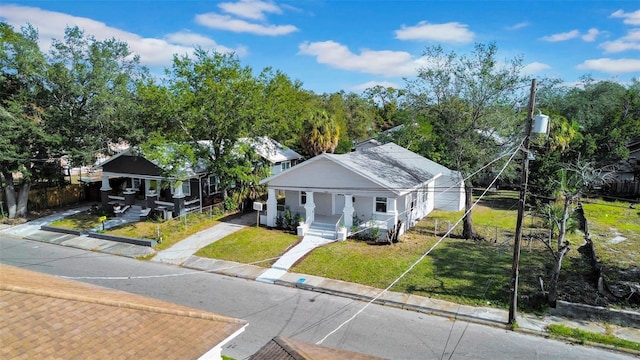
{"points": [[495, 234]]}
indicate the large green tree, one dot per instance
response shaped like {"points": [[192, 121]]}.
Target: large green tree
{"points": [[608, 114], [214, 102], [26, 143], [283, 105], [469, 100], [70, 103], [92, 86]]}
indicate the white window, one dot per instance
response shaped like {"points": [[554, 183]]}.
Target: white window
{"points": [[381, 204], [214, 184], [303, 197], [186, 187], [285, 165]]}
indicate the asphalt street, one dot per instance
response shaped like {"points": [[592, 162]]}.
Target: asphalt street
{"points": [[275, 310]]}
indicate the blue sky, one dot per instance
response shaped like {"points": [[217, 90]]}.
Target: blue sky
{"points": [[333, 45]]}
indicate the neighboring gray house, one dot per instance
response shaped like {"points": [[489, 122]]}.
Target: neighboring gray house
{"points": [[382, 186], [366, 144], [280, 157]]}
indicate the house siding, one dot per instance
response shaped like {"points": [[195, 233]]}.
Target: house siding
{"points": [[453, 198], [331, 177]]}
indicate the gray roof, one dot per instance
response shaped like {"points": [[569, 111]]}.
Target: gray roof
{"points": [[271, 150], [391, 166]]}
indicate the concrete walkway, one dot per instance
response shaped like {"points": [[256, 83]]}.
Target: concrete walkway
{"points": [[33, 226], [288, 259], [179, 252]]}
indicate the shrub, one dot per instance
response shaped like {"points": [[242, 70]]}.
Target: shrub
{"points": [[230, 204]]}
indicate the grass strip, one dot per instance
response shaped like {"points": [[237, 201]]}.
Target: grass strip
{"points": [[586, 336]]}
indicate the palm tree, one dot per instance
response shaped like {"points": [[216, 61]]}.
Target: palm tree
{"points": [[320, 133]]}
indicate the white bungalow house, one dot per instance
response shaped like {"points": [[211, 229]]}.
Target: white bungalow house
{"points": [[382, 186]]}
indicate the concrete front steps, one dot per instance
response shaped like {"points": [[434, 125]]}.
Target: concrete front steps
{"points": [[323, 230]]}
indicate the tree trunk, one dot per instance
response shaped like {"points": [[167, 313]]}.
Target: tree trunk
{"points": [[16, 205], [553, 285], [563, 222], [467, 223], [23, 199], [10, 194]]}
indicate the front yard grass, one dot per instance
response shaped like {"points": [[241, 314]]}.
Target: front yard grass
{"points": [[251, 245], [80, 221], [467, 272], [478, 272], [170, 231]]}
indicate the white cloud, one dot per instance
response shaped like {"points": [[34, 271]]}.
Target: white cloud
{"points": [[561, 36], [226, 22], [591, 35], [518, 26], [631, 18], [452, 32], [631, 41], [190, 39], [250, 9], [611, 66], [370, 84], [152, 51], [384, 62], [535, 67]]}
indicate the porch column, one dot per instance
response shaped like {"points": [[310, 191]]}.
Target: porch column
{"points": [[347, 212], [178, 201], [309, 208], [105, 190], [272, 207], [393, 210]]}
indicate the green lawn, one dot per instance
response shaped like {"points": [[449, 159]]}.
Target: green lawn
{"points": [[608, 220], [586, 336], [478, 272], [468, 272], [254, 245], [80, 221], [170, 231]]}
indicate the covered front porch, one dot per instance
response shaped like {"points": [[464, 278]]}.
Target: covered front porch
{"points": [[330, 215], [148, 194]]}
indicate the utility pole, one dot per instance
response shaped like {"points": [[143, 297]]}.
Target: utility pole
{"points": [[524, 179]]}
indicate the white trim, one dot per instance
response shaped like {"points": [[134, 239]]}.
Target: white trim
{"points": [[386, 205]]}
